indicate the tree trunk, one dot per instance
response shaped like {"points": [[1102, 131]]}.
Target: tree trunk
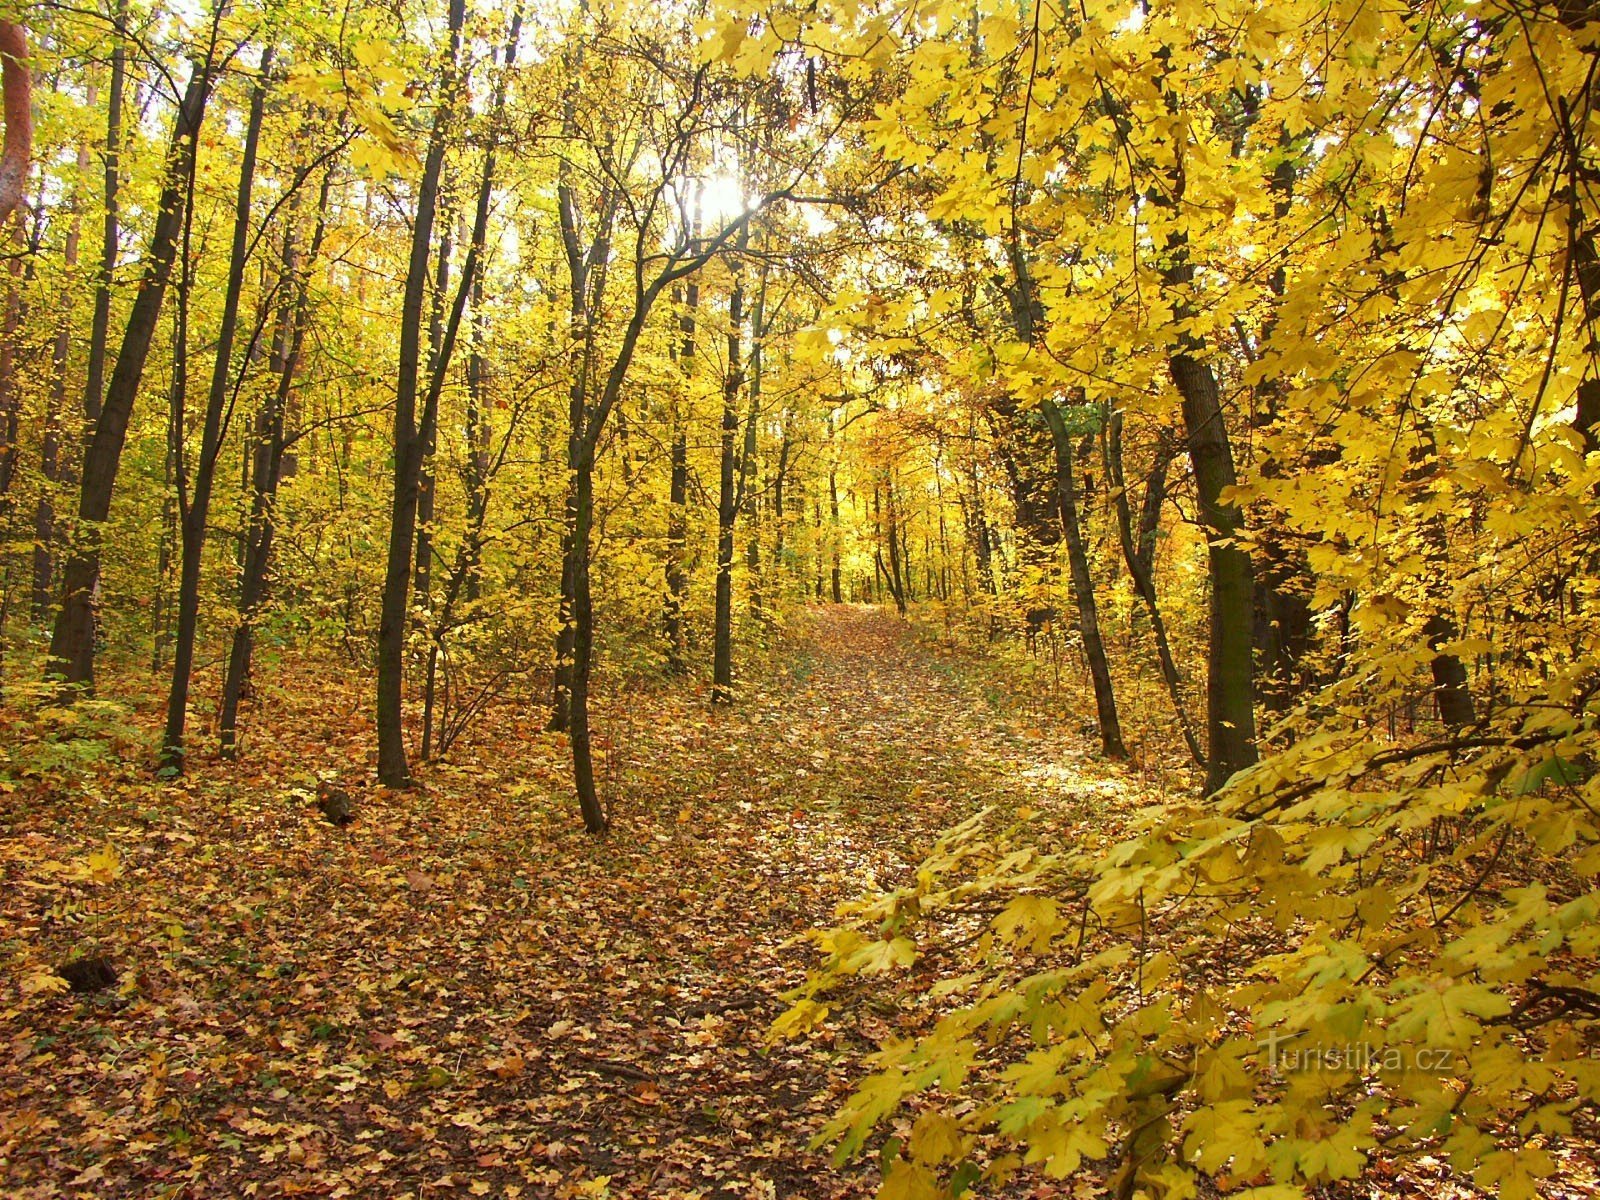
{"points": [[748, 500], [727, 498], [893, 576], [469, 553], [833, 533], [677, 579], [393, 770], [1139, 558], [72, 641], [594, 817], [195, 513], [778, 482], [52, 465], [425, 483], [172, 462], [10, 396], [110, 246], [1450, 690], [982, 545], [1083, 588], [584, 288], [16, 87], [477, 431], [267, 471], [1230, 690]]}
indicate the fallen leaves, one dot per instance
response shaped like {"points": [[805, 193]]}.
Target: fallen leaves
{"points": [[460, 993]]}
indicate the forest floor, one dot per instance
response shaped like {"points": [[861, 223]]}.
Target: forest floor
{"points": [[461, 993]]}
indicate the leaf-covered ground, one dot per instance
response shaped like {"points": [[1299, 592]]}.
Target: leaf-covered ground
{"points": [[461, 993]]}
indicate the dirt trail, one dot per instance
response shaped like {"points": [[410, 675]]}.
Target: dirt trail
{"points": [[463, 994]]}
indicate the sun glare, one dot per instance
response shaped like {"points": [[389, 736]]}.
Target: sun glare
{"points": [[722, 196]]}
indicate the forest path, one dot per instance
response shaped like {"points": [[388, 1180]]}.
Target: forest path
{"points": [[462, 993]]}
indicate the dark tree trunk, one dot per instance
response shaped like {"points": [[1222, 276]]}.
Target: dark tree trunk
{"points": [[748, 501], [72, 641], [944, 533], [893, 576], [267, 461], [478, 409], [677, 577], [586, 284], [470, 286], [1083, 588], [594, 817], [197, 510], [833, 534], [581, 515], [1140, 559], [1155, 496], [900, 525], [172, 462], [778, 482], [110, 246], [1450, 690], [1283, 594], [1230, 684], [425, 484], [728, 499], [10, 395], [982, 543], [409, 442]]}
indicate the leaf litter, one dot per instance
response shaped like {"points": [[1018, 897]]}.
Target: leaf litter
{"points": [[461, 993]]}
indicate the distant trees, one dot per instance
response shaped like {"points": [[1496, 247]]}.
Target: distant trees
{"points": [[680, 335]]}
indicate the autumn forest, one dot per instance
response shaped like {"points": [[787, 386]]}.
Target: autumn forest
{"points": [[800, 598]]}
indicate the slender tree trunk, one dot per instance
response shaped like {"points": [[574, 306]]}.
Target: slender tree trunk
{"points": [[469, 554], [72, 641], [893, 575], [1094, 647], [197, 511], [982, 543], [727, 495], [1139, 559], [409, 443], [902, 524], [172, 460], [677, 578], [585, 284], [52, 464], [267, 470], [749, 501], [478, 410], [581, 536], [833, 534], [425, 484], [778, 482], [944, 533], [110, 246], [10, 396]]}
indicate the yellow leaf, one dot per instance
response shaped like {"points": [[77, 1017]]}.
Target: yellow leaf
{"points": [[43, 982], [877, 957], [802, 1018]]}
